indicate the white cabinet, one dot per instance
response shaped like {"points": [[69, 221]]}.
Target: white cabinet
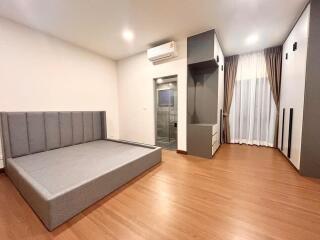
{"points": [[215, 138], [293, 87], [218, 52], [1, 150]]}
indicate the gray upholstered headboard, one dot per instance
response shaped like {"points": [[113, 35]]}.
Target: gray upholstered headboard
{"points": [[25, 133]]}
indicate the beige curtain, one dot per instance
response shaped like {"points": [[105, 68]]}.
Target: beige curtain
{"points": [[273, 58], [231, 64]]}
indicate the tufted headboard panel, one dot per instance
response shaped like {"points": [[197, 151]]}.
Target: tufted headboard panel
{"points": [[25, 133]]}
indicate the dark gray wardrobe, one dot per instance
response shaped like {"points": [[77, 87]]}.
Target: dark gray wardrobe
{"points": [[205, 94]]}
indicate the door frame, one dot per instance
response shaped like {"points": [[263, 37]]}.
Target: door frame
{"points": [[175, 77]]}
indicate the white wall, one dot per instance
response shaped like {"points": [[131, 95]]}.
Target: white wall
{"points": [[293, 86], [136, 95], [41, 73]]}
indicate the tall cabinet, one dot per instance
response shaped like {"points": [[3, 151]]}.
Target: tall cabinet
{"points": [[205, 94], [299, 129], [220, 91], [294, 63]]}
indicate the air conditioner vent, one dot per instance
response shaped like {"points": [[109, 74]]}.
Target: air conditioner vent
{"points": [[162, 52]]}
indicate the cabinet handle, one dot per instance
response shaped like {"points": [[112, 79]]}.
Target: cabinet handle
{"points": [[295, 46], [282, 133], [290, 132]]}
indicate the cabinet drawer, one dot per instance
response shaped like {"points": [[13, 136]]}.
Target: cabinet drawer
{"points": [[214, 138], [214, 129], [215, 147]]}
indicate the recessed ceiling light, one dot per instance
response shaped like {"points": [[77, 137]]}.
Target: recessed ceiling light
{"points": [[128, 35], [252, 39], [159, 80]]}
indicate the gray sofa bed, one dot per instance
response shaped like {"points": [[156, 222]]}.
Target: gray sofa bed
{"points": [[61, 163]]}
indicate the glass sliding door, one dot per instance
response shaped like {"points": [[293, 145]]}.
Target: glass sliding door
{"points": [[166, 114]]}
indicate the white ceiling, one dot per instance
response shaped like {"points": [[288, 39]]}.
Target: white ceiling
{"points": [[98, 24]]}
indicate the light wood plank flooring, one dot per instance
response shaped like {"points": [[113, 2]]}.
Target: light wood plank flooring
{"points": [[243, 193]]}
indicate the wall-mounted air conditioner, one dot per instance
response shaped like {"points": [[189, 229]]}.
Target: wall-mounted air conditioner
{"points": [[162, 52]]}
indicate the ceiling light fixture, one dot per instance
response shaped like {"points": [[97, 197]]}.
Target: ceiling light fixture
{"points": [[159, 80], [252, 39], [128, 35]]}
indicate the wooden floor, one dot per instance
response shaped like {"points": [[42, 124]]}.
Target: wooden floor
{"points": [[243, 193]]}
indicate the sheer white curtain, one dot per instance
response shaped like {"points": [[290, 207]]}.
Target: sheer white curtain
{"points": [[253, 111]]}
